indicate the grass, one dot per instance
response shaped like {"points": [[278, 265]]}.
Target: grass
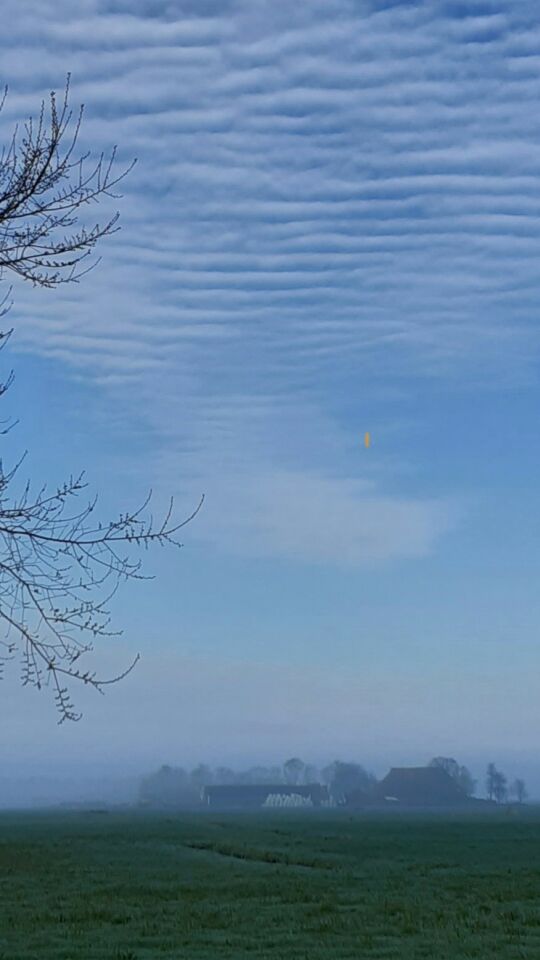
{"points": [[279, 885]]}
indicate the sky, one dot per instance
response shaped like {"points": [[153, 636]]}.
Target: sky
{"points": [[333, 227]]}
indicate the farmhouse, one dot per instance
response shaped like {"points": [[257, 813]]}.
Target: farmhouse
{"points": [[249, 796], [413, 787]]}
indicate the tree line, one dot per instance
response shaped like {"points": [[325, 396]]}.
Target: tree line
{"points": [[498, 788], [177, 786]]}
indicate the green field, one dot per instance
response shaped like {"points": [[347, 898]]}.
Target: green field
{"points": [[135, 887]]}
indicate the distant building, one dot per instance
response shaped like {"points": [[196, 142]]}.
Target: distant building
{"points": [[414, 787], [253, 796]]}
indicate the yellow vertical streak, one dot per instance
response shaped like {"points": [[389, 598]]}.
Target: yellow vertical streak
{"points": [[367, 440]]}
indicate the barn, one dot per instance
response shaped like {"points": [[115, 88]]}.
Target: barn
{"points": [[420, 786], [413, 787]]}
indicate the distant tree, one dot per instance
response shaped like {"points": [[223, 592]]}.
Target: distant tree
{"points": [[311, 774], [58, 565], [519, 790], [260, 774], [496, 784], [466, 781], [459, 773], [327, 773], [201, 776], [491, 778], [293, 770], [167, 787], [275, 774], [343, 778], [224, 775], [500, 789]]}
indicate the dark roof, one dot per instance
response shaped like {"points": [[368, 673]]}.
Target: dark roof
{"points": [[419, 786], [256, 793]]}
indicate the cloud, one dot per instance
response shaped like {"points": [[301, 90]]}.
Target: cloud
{"points": [[324, 195], [320, 520], [168, 10]]}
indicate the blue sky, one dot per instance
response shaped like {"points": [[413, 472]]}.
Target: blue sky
{"points": [[333, 227]]}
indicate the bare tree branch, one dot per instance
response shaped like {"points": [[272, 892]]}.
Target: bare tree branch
{"points": [[59, 567], [43, 188]]}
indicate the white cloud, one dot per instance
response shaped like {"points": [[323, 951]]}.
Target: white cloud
{"points": [[319, 520]]}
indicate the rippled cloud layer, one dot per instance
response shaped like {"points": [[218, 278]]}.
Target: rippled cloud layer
{"points": [[330, 198]]}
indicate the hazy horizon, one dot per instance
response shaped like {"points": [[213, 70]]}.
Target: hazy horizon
{"points": [[241, 714]]}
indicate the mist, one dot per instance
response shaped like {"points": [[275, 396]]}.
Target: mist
{"points": [[184, 711]]}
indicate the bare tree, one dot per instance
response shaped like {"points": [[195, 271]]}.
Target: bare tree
{"points": [[491, 778], [59, 566], [496, 784], [500, 789], [44, 184], [519, 790]]}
